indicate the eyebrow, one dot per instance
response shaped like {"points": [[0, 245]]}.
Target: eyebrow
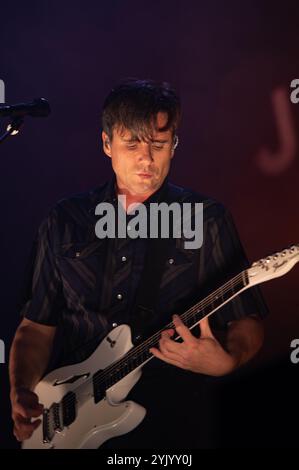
{"points": [[131, 139], [135, 139]]}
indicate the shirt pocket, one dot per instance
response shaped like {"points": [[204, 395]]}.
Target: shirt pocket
{"points": [[78, 250], [179, 284], [181, 266], [81, 267]]}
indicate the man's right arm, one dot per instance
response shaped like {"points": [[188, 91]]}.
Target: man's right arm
{"points": [[29, 357]]}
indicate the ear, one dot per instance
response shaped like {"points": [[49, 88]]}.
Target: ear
{"points": [[174, 146], [106, 144]]}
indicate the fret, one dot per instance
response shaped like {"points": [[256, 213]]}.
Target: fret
{"points": [[222, 294], [217, 300], [194, 318], [245, 278], [102, 380]]}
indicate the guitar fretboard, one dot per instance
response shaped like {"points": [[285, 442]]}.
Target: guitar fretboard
{"points": [[138, 355]]}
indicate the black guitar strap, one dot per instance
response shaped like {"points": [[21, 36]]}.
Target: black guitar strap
{"points": [[148, 288]]}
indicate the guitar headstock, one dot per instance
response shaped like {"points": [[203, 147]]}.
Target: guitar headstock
{"points": [[274, 265]]}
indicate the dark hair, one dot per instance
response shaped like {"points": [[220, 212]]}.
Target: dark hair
{"points": [[134, 105]]}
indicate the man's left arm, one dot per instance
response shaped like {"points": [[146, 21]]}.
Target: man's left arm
{"points": [[244, 338]]}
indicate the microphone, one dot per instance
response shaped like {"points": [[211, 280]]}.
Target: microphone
{"points": [[37, 108]]}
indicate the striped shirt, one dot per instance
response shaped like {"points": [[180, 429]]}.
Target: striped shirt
{"points": [[85, 285]]}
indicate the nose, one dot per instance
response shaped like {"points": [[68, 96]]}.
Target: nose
{"points": [[145, 153]]}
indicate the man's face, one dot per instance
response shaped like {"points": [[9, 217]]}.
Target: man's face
{"points": [[140, 167]]}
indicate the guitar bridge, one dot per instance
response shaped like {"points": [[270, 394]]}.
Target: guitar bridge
{"points": [[48, 432], [58, 416]]}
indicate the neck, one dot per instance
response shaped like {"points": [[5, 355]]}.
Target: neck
{"points": [[132, 198]]}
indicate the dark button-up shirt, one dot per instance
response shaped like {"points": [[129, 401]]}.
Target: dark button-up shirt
{"points": [[86, 286]]}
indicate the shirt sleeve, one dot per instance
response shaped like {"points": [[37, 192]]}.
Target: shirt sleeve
{"points": [[42, 298], [223, 258]]}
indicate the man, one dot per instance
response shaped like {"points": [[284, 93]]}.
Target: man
{"points": [[79, 286]]}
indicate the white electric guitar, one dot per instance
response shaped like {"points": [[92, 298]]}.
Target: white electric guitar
{"points": [[84, 403]]}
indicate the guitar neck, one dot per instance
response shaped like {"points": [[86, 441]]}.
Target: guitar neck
{"points": [[139, 355], [195, 314], [212, 302]]}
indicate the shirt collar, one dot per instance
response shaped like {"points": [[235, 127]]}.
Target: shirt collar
{"points": [[111, 196]]}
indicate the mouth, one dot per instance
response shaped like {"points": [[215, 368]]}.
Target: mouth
{"points": [[145, 175]]}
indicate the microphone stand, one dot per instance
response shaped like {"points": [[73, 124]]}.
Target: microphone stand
{"points": [[12, 128]]}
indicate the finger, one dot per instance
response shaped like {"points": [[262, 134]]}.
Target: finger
{"points": [[18, 435], [25, 432], [167, 345], [183, 330], [24, 425], [168, 333], [166, 338], [169, 359], [205, 329], [36, 423], [28, 412], [171, 356], [29, 400]]}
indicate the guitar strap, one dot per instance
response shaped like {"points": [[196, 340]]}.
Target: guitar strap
{"points": [[146, 298]]}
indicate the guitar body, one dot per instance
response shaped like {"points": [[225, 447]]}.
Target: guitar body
{"points": [[95, 422]]}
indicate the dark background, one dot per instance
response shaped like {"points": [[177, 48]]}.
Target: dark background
{"points": [[229, 61]]}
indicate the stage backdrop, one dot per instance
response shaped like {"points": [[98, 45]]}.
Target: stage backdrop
{"points": [[232, 65]]}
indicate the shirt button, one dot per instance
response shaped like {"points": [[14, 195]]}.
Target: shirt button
{"points": [[119, 296], [114, 325], [123, 258], [171, 261]]}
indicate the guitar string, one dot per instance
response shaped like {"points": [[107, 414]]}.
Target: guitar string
{"points": [[186, 316], [144, 346], [101, 379]]}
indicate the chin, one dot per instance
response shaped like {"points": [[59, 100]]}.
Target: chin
{"points": [[145, 188]]}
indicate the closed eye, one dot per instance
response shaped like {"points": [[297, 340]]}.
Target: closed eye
{"points": [[154, 145]]}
